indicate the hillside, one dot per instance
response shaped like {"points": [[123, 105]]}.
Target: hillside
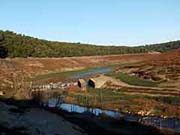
{"points": [[17, 69], [17, 45]]}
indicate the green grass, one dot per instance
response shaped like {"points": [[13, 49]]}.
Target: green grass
{"points": [[104, 96], [118, 100], [117, 96], [63, 74], [168, 100], [58, 74], [134, 80]]}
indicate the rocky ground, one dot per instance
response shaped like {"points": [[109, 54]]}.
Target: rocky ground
{"points": [[34, 121]]}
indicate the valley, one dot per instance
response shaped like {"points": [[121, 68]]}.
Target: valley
{"points": [[133, 84]]}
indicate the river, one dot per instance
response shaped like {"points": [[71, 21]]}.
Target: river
{"points": [[161, 123], [94, 71]]}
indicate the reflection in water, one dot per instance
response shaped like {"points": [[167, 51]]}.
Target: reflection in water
{"points": [[169, 123]]}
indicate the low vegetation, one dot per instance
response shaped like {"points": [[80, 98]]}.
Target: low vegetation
{"points": [[120, 101], [134, 80], [58, 74]]}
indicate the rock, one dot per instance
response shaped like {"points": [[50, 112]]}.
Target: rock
{"points": [[1, 93]]}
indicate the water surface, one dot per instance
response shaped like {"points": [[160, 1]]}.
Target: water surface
{"points": [[91, 72], [168, 123]]}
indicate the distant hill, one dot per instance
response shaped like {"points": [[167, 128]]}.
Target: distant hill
{"points": [[17, 45]]}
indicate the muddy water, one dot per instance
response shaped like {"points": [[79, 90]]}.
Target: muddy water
{"points": [[168, 123]]}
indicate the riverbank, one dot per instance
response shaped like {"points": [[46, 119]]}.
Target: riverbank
{"points": [[105, 125], [118, 100], [25, 118], [155, 121]]}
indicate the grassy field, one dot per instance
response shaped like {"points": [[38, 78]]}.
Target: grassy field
{"points": [[134, 80], [105, 95], [120, 101], [58, 74]]}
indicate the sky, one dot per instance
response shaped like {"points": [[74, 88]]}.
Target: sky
{"points": [[102, 22]]}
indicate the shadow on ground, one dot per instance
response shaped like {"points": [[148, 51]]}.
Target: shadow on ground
{"points": [[85, 123]]}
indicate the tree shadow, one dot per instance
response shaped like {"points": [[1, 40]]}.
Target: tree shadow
{"points": [[3, 52]]}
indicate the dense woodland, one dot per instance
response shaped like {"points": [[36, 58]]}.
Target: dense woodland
{"points": [[17, 45]]}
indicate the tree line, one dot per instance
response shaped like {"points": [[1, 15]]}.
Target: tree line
{"points": [[18, 45]]}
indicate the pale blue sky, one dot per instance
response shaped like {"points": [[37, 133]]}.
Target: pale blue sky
{"points": [[109, 22]]}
